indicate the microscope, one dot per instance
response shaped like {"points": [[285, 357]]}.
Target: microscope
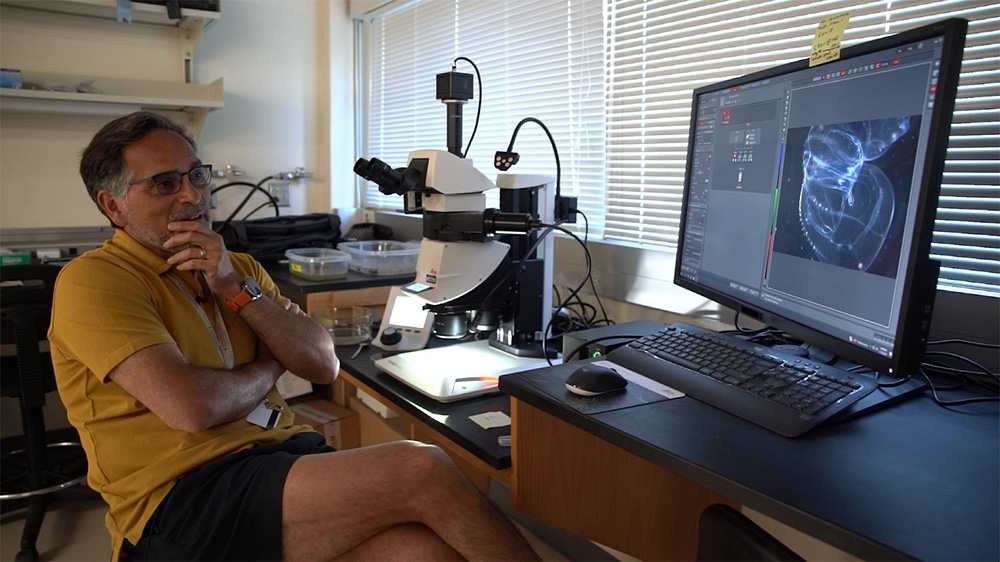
{"points": [[479, 271]]}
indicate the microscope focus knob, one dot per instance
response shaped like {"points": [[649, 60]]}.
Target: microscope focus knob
{"points": [[391, 336]]}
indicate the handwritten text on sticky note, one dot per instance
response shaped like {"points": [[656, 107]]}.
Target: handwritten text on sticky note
{"points": [[829, 34]]}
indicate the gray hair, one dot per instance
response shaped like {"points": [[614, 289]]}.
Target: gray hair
{"points": [[103, 167]]}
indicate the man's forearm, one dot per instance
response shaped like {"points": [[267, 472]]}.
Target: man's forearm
{"points": [[191, 398], [234, 394], [296, 341]]}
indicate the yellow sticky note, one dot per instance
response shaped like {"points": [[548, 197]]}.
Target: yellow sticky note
{"points": [[829, 34]]}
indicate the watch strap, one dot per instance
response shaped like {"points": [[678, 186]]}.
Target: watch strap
{"points": [[245, 297]]}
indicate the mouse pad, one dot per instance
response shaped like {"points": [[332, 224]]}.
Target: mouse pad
{"points": [[552, 381]]}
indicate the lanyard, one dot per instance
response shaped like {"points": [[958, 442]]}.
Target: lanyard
{"points": [[220, 337]]}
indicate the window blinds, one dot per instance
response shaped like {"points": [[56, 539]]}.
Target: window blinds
{"points": [[612, 80], [539, 59]]}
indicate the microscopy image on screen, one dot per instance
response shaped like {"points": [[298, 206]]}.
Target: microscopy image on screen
{"points": [[844, 193]]}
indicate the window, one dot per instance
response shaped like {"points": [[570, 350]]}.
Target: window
{"points": [[541, 59], [612, 80]]}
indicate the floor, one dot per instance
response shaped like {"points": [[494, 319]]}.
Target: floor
{"points": [[71, 531], [74, 531]]}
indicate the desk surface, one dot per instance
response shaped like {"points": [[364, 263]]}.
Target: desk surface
{"points": [[914, 480], [451, 419]]}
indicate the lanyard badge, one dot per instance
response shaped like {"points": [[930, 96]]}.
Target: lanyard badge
{"points": [[266, 414]]}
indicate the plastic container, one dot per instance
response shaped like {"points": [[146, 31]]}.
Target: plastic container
{"points": [[318, 264], [382, 257], [346, 325]]}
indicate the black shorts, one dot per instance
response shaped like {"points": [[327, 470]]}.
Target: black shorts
{"points": [[229, 509]]}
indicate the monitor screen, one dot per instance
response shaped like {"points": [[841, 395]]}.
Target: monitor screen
{"points": [[810, 194]]}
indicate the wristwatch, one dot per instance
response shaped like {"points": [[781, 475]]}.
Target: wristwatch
{"points": [[251, 292]]}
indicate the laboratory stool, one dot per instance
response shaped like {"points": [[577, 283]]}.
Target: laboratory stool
{"points": [[38, 471]]}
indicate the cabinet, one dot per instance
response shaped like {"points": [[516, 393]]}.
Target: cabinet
{"points": [[376, 429], [64, 46]]}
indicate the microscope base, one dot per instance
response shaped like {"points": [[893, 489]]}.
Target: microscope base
{"points": [[455, 372]]}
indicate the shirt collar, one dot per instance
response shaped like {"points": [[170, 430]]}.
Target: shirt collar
{"points": [[146, 257]]}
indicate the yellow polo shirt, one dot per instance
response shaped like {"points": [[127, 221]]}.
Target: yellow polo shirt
{"points": [[108, 304]]}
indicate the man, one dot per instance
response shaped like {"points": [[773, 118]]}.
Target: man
{"points": [[166, 349]]}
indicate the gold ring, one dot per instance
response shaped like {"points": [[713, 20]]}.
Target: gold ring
{"points": [[203, 253]]}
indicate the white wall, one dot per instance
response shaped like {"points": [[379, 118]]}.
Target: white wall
{"points": [[284, 62], [288, 71]]}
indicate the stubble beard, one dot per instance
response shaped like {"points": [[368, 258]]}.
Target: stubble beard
{"points": [[156, 240]]}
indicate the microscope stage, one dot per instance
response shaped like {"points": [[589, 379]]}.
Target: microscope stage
{"points": [[456, 372]]}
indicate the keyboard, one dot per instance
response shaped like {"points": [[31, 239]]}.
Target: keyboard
{"points": [[784, 393]]}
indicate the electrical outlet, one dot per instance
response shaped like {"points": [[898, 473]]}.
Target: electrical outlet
{"points": [[280, 191]]}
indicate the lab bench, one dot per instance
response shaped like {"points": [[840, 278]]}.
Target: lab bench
{"points": [[357, 289], [912, 481], [477, 451]]}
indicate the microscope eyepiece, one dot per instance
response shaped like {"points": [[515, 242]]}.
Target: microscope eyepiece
{"points": [[399, 181], [389, 181]]}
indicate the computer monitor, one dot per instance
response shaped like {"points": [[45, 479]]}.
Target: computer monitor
{"points": [[810, 194]]}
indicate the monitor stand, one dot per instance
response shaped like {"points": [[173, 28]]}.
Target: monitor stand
{"points": [[882, 397]]}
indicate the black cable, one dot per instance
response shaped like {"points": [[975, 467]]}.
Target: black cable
{"points": [[597, 297], [981, 368], [960, 381], [956, 371], [965, 342], [957, 402], [575, 293], [257, 208], [582, 319], [558, 194], [962, 377], [271, 198], [742, 330], [592, 320], [890, 384], [255, 187], [479, 109], [515, 268], [555, 151], [587, 312]]}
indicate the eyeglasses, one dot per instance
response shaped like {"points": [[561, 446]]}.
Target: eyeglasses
{"points": [[169, 183]]}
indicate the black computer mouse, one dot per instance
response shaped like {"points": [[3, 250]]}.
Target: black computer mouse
{"points": [[594, 380]]}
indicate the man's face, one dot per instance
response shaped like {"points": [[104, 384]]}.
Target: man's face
{"points": [[144, 212]]}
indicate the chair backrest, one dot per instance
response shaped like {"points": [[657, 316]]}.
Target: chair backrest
{"points": [[726, 534], [25, 309]]}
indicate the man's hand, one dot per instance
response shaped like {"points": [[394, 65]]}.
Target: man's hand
{"points": [[286, 303], [190, 398], [201, 248], [302, 345]]}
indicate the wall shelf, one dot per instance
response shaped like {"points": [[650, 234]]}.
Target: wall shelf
{"points": [[54, 93], [151, 14], [129, 94]]}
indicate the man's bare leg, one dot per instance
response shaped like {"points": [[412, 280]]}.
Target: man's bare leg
{"points": [[336, 502], [407, 542]]}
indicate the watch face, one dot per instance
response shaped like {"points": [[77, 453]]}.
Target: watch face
{"points": [[252, 288]]}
